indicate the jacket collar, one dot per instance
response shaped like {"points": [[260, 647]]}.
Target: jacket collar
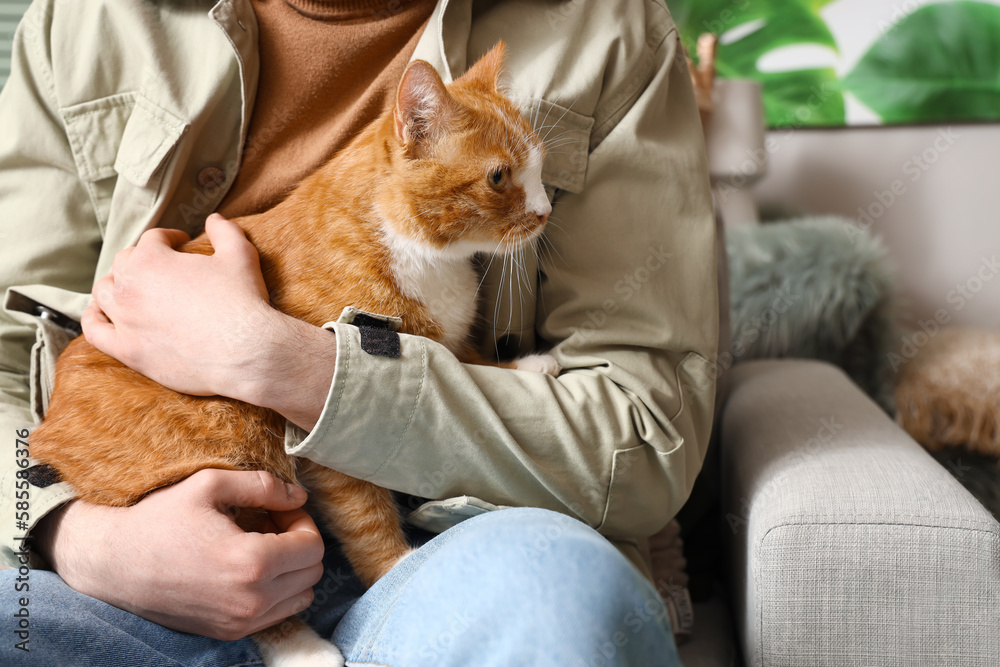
{"points": [[443, 43]]}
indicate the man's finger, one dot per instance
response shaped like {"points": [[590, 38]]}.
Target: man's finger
{"points": [[227, 237], [297, 519], [250, 488], [163, 237], [104, 300], [97, 328], [120, 260], [284, 609], [287, 552]]}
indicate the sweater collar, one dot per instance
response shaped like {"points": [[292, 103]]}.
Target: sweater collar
{"points": [[341, 10]]}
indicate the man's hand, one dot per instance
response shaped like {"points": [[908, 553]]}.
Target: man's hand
{"points": [[191, 322], [202, 324], [178, 558]]}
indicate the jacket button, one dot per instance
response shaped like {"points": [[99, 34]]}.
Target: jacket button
{"points": [[211, 177]]}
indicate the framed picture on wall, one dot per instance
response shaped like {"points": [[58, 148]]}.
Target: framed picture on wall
{"points": [[857, 62]]}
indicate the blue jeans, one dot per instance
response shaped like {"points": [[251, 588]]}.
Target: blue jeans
{"points": [[514, 587]]}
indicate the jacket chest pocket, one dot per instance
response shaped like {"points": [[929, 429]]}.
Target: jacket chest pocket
{"points": [[121, 145], [509, 288], [566, 135]]}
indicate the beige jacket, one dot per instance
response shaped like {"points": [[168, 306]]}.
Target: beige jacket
{"points": [[119, 114]]}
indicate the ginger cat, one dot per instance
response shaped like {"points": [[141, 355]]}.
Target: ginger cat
{"points": [[386, 225]]}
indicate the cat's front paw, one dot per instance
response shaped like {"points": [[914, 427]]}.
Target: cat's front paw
{"points": [[539, 363], [312, 656], [297, 647]]}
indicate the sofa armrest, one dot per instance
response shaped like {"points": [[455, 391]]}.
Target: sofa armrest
{"points": [[849, 544]]}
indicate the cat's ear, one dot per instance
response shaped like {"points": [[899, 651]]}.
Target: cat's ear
{"points": [[489, 72], [423, 106]]}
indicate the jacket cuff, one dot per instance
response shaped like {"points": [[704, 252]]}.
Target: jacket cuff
{"points": [[372, 399], [17, 523]]}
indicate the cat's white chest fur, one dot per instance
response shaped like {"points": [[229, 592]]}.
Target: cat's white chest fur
{"points": [[446, 283]]}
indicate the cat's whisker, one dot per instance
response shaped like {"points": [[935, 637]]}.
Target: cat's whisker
{"points": [[523, 281], [512, 276], [496, 306], [553, 250], [551, 148], [520, 274], [521, 287], [526, 139], [545, 118], [524, 267], [556, 152], [561, 139], [566, 111], [554, 223], [510, 291], [545, 130], [486, 272], [541, 292], [543, 267], [549, 256], [519, 262], [568, 130], [535, 112]]}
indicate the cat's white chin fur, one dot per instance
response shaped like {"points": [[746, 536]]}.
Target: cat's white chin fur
{"points": [[539, 363], [304, 649]]}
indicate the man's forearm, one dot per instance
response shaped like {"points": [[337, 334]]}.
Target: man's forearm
{"points": [[296, 370]]}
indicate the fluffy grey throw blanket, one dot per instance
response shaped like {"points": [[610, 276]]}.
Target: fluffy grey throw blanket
{"points": [[813, 288]]}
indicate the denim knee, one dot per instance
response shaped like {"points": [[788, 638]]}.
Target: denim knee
{"points": [[556, 548], [619, 615], [511, 587]]}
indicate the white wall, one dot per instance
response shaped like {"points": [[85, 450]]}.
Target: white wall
{"points": [[942, 223]]}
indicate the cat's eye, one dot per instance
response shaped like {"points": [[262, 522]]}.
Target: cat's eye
{"points": [[497, 178]]}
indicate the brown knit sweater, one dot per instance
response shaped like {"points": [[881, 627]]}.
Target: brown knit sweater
{"points": [[327, 69]]}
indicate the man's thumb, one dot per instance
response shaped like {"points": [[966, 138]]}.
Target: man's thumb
{"points": [[252, 488], [228, 237]]}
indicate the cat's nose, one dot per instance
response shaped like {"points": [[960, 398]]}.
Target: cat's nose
{"points": [[542, 212]]}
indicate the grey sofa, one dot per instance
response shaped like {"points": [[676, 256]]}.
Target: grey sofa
{"points": [[846, 543]]}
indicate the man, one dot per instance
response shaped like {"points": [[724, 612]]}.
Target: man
{"points": [[128, 115]]}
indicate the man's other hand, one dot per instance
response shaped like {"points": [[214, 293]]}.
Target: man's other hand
{"points": [[178, 558]]}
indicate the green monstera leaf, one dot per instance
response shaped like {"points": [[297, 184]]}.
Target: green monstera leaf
{"points": [[940, 63], [792, 98]]}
